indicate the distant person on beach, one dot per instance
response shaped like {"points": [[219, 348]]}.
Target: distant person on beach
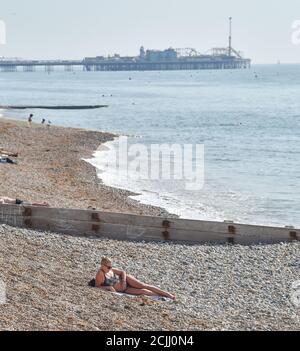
{"points": [[49, 124], [30, 118], [9, 201], [8, 153], [115, 280], [43, 121]]}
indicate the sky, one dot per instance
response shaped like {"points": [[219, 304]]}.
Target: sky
{"points": [[72, 29]]}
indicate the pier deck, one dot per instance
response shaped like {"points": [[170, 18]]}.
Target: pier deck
{"points": [[123, 65]]}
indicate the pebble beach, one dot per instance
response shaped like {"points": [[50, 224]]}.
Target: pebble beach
{"points": [[51, 168], [218, 287]]}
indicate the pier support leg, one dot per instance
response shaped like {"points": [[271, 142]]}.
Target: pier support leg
{"points": [[49, 68]]}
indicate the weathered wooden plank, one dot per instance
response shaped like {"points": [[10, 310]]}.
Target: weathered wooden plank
{"points": [[240, 229], [127, 226], [150, 233], [46, 211], [124, 232], [158, 222], [14, 221], [75, 228], [10, 210]]}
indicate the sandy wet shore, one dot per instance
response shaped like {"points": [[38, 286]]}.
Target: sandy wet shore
{"points": [[50, 168], [218, 287]]}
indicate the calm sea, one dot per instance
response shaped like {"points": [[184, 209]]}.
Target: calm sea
{"points": [[248, 121]]}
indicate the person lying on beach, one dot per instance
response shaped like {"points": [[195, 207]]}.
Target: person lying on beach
{"points": [[115, 280], [9, 201], [8, 153], [6, 159]]}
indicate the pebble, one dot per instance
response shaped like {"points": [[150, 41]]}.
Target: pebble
{"points": [[217, 287]]}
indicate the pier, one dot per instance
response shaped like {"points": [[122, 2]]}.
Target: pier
{"points": [[95, 64], [149, 60], [15, 65], [200, 63]]}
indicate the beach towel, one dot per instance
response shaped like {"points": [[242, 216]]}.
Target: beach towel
{"points": [[154, 298]]}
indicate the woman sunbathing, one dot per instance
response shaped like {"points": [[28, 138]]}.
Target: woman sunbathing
{"points": [[8, 153], [9, 201], [115, 280]]}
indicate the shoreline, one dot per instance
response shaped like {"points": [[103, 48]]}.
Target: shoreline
{"points": [[51, 168], [106, 175], [46, 274]]}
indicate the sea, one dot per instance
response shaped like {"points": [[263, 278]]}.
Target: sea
{"points": [[247, 121]]}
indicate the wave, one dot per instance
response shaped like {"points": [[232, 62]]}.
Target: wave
{"points": [[209, 204], [145, 192]]}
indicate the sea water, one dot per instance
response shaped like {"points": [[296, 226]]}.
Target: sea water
{"points": [[247, 120]]}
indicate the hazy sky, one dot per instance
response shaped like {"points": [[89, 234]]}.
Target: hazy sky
{"points": [[75, 29]]}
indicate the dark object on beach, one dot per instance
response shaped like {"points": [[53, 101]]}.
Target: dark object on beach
{"points": [[92, 283], [83, 107], [7, 160]]}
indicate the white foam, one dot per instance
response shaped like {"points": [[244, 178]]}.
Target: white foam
{"points": [[210, 204], [147, 192]]}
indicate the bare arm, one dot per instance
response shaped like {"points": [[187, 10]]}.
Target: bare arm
{"points": [[121, 274], [41, 204], [100, 278]]}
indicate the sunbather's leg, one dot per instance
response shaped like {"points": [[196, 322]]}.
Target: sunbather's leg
{"points": [[138, 292], [42, 204], [7, 200], [134, 283]]}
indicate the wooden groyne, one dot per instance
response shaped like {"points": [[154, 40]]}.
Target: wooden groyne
{"points": [[83, 107], [143, 228]]}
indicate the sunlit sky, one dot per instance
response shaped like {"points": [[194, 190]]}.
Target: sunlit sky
{"points": [[262, 29]]}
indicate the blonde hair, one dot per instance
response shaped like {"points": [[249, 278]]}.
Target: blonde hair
{"points": [[105, 260]]}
